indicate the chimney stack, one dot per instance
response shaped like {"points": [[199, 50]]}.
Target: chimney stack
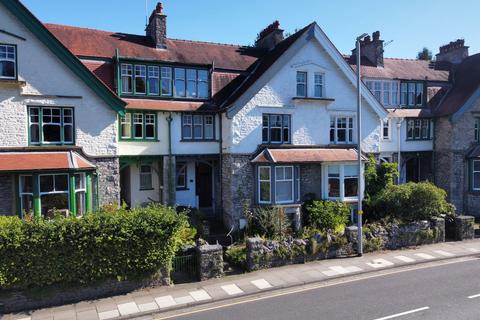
{"points": [[372, 49], [157, 27], [269, 37], [453, 53]]}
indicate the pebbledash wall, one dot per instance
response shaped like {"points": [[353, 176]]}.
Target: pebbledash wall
{"points": [[454, 138], [46, 81], [310, 122]]}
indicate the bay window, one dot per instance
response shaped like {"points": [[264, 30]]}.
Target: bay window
{"points": [[80, 194], [277, 184], [26, 194], [51, 125], [54, 193], [341, 129], [8, 61], [341, 182], [276, 128]]}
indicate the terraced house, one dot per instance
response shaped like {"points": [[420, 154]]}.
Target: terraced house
{"points": [[52, 155], [146, 118]]}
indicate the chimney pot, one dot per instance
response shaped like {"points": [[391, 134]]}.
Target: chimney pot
{"points": [[269, 37], [452, 53], [372, 50]]}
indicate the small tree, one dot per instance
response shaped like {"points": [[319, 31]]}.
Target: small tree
{"points": [[425, 54]]}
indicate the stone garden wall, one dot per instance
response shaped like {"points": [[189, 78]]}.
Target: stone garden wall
{"points": [[262, 253]]}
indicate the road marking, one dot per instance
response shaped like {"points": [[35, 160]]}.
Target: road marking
{"points": [[330, 273], [380, 263], [128, 308], [200, 295], [474, 296], [404, 259], [444, 253], [231, 289], [312, 287], [165, 301], [473, 249], [403, 313], [183, 300], [340, 269], [261, 284], [424, 256]]}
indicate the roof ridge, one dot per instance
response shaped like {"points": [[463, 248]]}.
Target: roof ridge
{"points": [[139, 35]]}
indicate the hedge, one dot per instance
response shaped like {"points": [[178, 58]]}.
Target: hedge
{"points": [[111, 244]]}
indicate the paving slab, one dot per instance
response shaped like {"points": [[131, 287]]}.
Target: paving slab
{"points": [[106, 315]]}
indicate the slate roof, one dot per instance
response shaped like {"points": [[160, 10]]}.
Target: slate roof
{"points": [[466, 81]]}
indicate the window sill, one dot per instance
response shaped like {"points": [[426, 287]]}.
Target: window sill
{"points": [[199, 140], [148, 189], [12, 82], [159, 97], [413, 140], [138, 140], [182, 189], [323, 99]]}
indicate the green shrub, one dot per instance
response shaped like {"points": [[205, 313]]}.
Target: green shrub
{"points": [[111, 244], [326, 215], [269, 222], [237, 255], [413, 201]]}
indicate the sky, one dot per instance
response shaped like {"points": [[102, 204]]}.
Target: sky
{"points": [[409, 24]]}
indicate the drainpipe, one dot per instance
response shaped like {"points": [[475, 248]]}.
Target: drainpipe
{"points": [[399, 144], [220, 159], [170, 164]]}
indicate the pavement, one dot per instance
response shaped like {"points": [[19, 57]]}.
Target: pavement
{"points": [[151, 301]]}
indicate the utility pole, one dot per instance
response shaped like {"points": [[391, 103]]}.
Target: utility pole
{"points": [[359, 148]]}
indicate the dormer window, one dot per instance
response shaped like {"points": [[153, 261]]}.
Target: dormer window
{"points": [[319, 89], [8, 61], [411, 94], [164, 81], [301, 84], [386, 91]]}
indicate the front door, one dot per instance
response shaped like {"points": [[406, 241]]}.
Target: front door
{"points": [[204, 185]]}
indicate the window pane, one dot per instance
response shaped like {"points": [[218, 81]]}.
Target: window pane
{"points": [[145, 177], [351, 187], [197, 127], [301, 84], [350, 170], [138, 125], [419, 94], [27, 204], [179, 82], [50, 202], [191, 83], [127, 78], [265, 191], [51, 133], [403, 94], [411, 94], [283, 191], [46, 184], [140, 79], [181, 173], [150, 125], [68, 134], [34, 133], [209, 127], [153, 80], [79, 181], [202, 83], [264, 173], [61, 182], [333, 187], [476, 165], [7, 69], [166, 81], [80, 202], [301, 91], [476, 180], [26, 184]]}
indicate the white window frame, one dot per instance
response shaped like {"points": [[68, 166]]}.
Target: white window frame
{"points": [[319, 82], [202, 82], [302, 83], [52, 123], [127, 72], [259, 182], [7, 58], [197, 122], [191, 81], [135, 122], [181, 170], [148, 175], [82, 189], [187, 121], [341, 178], [476, 188], [292, 183], [67, 192], [126, 120], [150, 121], [153, 73], [349, 131], [21, 193], [141, 73], [206, 120], [385, 91], [386, 124], [166, 75]]}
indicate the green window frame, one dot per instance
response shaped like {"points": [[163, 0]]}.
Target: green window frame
{"points": [[419, 129], [164, 82], [44, 122], [8, 61], [138, 126], [412, 93], [35, 188]]}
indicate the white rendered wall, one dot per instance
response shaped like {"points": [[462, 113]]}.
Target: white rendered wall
{"points": [[310, 119], [137, 196], [391, 145], [46, 78], [188, 197]]}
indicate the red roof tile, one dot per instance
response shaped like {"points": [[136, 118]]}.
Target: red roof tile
{"points": [[35, 161], [103, 70], [404, 69], [305, 155], [97, 43], [167, 105], [466, 82]]}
